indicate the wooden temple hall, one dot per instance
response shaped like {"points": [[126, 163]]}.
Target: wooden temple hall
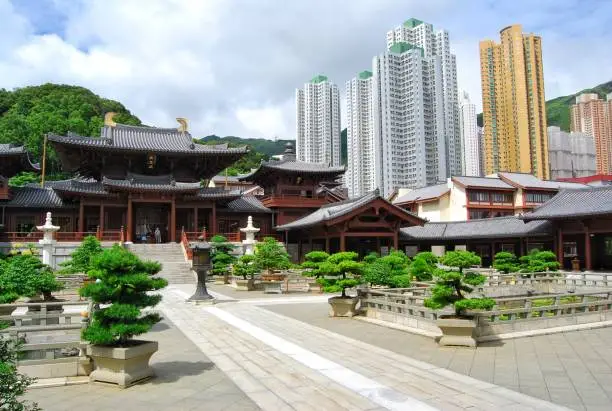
{"points": [[132, 181]]}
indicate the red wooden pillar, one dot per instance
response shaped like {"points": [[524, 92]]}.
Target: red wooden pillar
{"points": [[81, 227], [195, 219], [396, 241], [327, 244], [173, 220], [101, 225], [130, 222], [213, 223], [342, 242], [560, 246], [587, 248]]}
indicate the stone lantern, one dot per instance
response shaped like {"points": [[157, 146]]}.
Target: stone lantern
{"points": [[201, 265], [249, 243], [47, 243]]}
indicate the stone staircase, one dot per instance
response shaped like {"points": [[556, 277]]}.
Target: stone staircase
{"points": [[175, 268]]}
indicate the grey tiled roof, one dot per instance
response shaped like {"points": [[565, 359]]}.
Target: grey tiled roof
{"points": [[524, 180], [334, 210], [216, 193], [293, 166], [247, 204], [139, 138], [488, 182], [150, 183], [500, 227], [424, 193], [586, 202], [11, 149], [35, 197], [78, 185]]}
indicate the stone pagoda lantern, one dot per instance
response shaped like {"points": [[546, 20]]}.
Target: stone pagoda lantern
{"points": [[249, 243], [48, 242], [201, 265]]}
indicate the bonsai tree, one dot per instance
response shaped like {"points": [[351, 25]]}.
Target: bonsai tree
{"points": [[505, 262], [539, 261], [7, 293], [81, 257], [25, 275], [422, 269], [452, 285], [245, 267], [271, 255], [429, 257], [220, 255], [124, 287], [345, 266], [390, 270], [13, 385], [313, 262]]}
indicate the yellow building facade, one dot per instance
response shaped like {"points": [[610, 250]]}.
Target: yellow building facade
{"points": [[514, 106]]}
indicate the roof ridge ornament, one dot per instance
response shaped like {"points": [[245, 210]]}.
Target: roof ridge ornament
{"points": [[108, 119], [182, 124]]}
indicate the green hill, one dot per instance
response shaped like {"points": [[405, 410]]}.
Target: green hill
{"points": [[26, 114], [558, 109]]}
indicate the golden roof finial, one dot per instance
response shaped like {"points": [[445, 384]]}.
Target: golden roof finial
{"points": [[108, 119], [183, 124]]}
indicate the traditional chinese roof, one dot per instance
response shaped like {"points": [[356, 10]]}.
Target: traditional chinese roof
{"points": [[332, 211], [35, 197], [247, 204], [214, 193], [13, 159], [499, 227], [87, 186], [586, 202], [529, 181], [138, 182], [423, 194], [482, 182]]}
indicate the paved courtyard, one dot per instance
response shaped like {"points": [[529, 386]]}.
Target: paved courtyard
{"points": [[284, 353]]}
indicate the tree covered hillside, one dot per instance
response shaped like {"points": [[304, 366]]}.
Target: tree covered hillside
{"points": [[26, 114]]}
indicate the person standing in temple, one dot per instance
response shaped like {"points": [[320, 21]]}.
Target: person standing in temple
{"points": [[157, 235]]}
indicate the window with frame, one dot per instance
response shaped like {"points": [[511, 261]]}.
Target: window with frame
{"points": [[25, 224], [478, 196], [501, 198], [538, 197]]}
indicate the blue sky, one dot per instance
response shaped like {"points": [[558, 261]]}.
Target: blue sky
{"points": [[231, 66]]}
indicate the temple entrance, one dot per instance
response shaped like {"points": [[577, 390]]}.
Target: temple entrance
{"points": [[148, 217]]}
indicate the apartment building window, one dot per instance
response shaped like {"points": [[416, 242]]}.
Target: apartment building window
{"points": [[538, 198]]}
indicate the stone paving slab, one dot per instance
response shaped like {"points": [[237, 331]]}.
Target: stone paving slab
{"points": [[186, 379], [571, 369], [364, 376]]}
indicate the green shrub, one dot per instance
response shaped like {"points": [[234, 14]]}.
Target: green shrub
{"points": [[25, 275], [429, 257], [81, 257], [346, 268], [451, 285], [245, 267], [125, 282], [539, 261], [506, 262], [421, 269], [271, 255], [312, 263], [13, 385], [220, 256], [383, 270]]}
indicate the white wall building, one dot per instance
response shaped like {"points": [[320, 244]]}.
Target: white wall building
{"points": [[409, 139], [570, 154], [318, 122], [437, 43], [360, 176], [469, 136]]}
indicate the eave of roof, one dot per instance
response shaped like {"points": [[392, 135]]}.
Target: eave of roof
{"points": [[574, 203]]}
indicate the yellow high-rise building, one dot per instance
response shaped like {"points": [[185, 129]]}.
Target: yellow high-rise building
{"points": [[514, 108]]}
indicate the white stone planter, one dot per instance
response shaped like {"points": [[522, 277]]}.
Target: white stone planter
{"points": [[457, 332], [123, 366], [272, 287], [245, 285], [343, 306]]}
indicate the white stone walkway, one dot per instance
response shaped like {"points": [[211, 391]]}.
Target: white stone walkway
{"points": [[285, 364]]}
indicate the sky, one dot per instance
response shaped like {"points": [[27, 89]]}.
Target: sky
{"points": [[231, 67]]}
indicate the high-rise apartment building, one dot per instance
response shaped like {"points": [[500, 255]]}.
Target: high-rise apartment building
{"points": [[408, 118], [469, 136], [481, 150], [318, 122], [571, 155], [514, 111], [436, 44], [360, 175], [593, 116]]}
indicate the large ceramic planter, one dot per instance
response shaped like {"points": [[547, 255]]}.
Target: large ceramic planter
{"points": [[245, 285], [123, 366], [457, 331], [343, 306], [272, 277], [272, 287]]}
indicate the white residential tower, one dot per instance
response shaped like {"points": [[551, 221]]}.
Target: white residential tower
{"points": [[469, 136], [318, 122]]}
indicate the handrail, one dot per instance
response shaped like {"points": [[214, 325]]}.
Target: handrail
{"points": [[185, 244]]}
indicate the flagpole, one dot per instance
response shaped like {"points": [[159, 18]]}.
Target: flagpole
{"points": [[44, 162]]}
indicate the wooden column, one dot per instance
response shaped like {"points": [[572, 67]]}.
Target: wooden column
{"points": [[522, 246], [130, 221], [342, 242], [173, 220], [101, 225], [195, 219], [587, 248], [396, 241], [213, 223], [560, 246], [327, 244], [81, 227]]}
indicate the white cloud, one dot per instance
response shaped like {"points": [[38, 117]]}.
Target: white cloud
{"points": [[231, 66]]}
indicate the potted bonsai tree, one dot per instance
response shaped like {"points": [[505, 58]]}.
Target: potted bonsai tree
{"points": [[312, 265], [423, 266], [271, 255], [246, 268], [80, 259], [388, 271], [123, 285], [505, 262], [221, 258], [347, 270], [451, 288]]}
